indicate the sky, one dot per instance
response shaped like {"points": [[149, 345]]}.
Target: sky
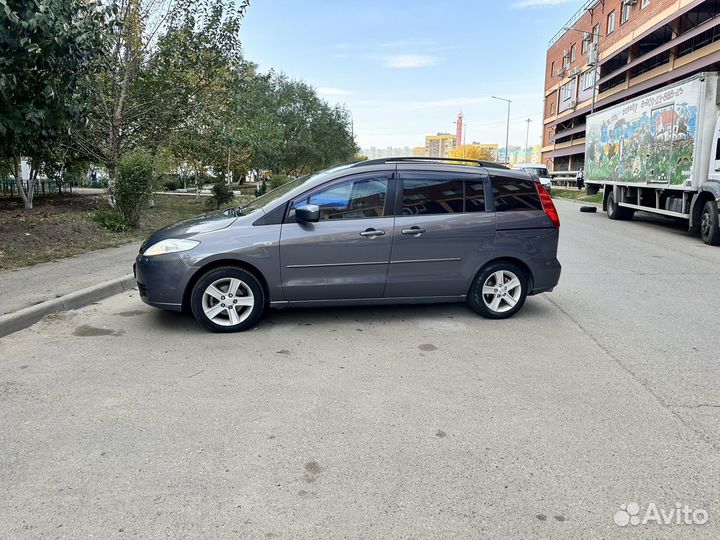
{"points": [[405, 69]]}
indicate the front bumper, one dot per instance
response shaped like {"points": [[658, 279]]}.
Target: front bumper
{"points": [[161, 280]]}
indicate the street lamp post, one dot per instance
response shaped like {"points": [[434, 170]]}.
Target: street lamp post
{"points": [[507, 130], [527, 140]]}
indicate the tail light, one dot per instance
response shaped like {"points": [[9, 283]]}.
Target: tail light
{"points": [[547, 204]]}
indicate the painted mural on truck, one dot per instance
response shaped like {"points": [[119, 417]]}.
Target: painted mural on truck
{"points": [[650, 139]]}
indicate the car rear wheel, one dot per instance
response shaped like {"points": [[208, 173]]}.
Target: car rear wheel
{"points": [[228, 299], [499, 291], [709, 230]]}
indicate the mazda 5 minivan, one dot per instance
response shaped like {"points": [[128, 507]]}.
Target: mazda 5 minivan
{"points": [[405, 230]]}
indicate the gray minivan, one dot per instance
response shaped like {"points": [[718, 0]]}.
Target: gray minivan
{"points": [[403, 230]]}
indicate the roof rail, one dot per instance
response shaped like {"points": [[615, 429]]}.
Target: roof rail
{"points": [[477, 162]]}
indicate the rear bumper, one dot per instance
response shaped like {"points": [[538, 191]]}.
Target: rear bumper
{"points": [[546, 277]]}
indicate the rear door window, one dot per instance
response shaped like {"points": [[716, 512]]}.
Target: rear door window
{"points": [[515, 194], [428, 196], [475, 196]]}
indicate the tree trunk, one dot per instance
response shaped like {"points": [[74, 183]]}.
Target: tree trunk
{"points": [[25, 195]]}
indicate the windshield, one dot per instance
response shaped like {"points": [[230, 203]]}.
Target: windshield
{"points": [[276, 193]]}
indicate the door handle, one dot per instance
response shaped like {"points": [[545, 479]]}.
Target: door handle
{"points": [[414, 230], [372, 233]]}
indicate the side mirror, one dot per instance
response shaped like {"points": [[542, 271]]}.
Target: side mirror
{"points": [[310, 213]]}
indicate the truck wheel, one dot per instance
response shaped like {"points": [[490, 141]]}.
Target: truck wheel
{"points": [[617, 212], [709, 229]]}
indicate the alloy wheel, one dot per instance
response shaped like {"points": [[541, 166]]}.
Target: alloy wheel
{"points": [[228, 301], [501, 291]]}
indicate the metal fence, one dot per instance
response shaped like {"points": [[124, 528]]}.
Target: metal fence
{"points": [[42, 187]]}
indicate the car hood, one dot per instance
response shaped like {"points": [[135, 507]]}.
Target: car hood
{"points": [[190, 227]]}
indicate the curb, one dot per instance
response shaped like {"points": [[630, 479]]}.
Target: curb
{"points": [[12, 322], [589, 203]]}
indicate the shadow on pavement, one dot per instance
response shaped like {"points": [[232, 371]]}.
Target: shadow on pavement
{"points": [[170, 321]]}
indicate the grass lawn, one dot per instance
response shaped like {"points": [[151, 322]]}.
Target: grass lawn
{"points": [[576, 195], [60, 226]]}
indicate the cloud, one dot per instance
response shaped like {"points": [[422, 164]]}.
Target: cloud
{"points": [[335, 92], [403, 61], [539, 3]]}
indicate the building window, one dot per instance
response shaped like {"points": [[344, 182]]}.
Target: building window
{"points": [[567, 91], [572, 53], [566, 58], [645, 3], [552, 69], [625, 13], [587, 80], [596, 33], [611, 23], [552, 111]]}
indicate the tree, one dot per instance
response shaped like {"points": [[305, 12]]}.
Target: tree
{"points": [[472, 151], [50, 50], [166, 55]]}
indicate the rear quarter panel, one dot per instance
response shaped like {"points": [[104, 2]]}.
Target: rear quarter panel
{"points": [[531, 238]]}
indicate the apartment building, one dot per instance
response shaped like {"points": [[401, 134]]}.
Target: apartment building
{"points": [[440, 145], [613, 50]]}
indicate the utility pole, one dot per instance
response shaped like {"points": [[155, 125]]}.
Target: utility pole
{"points": [[527, 139], [507, 130]]}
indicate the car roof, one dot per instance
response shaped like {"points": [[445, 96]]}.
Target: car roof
{"points": [[454, 162]]}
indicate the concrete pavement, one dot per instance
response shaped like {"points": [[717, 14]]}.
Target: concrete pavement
{"points": [[29, 286], [119, 420]]}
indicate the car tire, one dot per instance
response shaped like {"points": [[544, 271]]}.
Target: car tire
{"points": [[709, 229], [492, 294], [228, 299], [588, 209], [617, 212]]}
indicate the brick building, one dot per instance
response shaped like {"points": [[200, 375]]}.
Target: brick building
{"points": [[635, 46]]}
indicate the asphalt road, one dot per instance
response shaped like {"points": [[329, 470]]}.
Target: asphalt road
{"points": [[401, 422]]}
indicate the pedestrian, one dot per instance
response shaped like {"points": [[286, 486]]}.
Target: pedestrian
{"points": [[580, 179]]}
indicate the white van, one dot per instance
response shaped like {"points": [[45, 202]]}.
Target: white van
{"points": [[538, 170]]}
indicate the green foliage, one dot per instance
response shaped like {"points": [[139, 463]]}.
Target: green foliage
{"points": [[50, 49], [221, 195], [171, 185], [278, 180], [110, 219], [133, 186], [166, 76]]}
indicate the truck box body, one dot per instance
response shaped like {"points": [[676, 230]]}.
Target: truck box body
{"points": [[661, 139]]}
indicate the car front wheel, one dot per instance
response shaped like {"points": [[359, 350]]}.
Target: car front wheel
{"points": [[499, 291], [228, 299]]}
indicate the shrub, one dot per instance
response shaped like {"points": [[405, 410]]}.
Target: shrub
{"points": [[110, 219], [278, 180], [171, 185], [133, 186], [221, 194]]}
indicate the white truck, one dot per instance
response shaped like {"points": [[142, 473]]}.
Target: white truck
{"points": [[660, 153]]}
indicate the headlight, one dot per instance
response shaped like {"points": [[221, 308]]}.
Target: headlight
{"points": [[171, 245]]}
